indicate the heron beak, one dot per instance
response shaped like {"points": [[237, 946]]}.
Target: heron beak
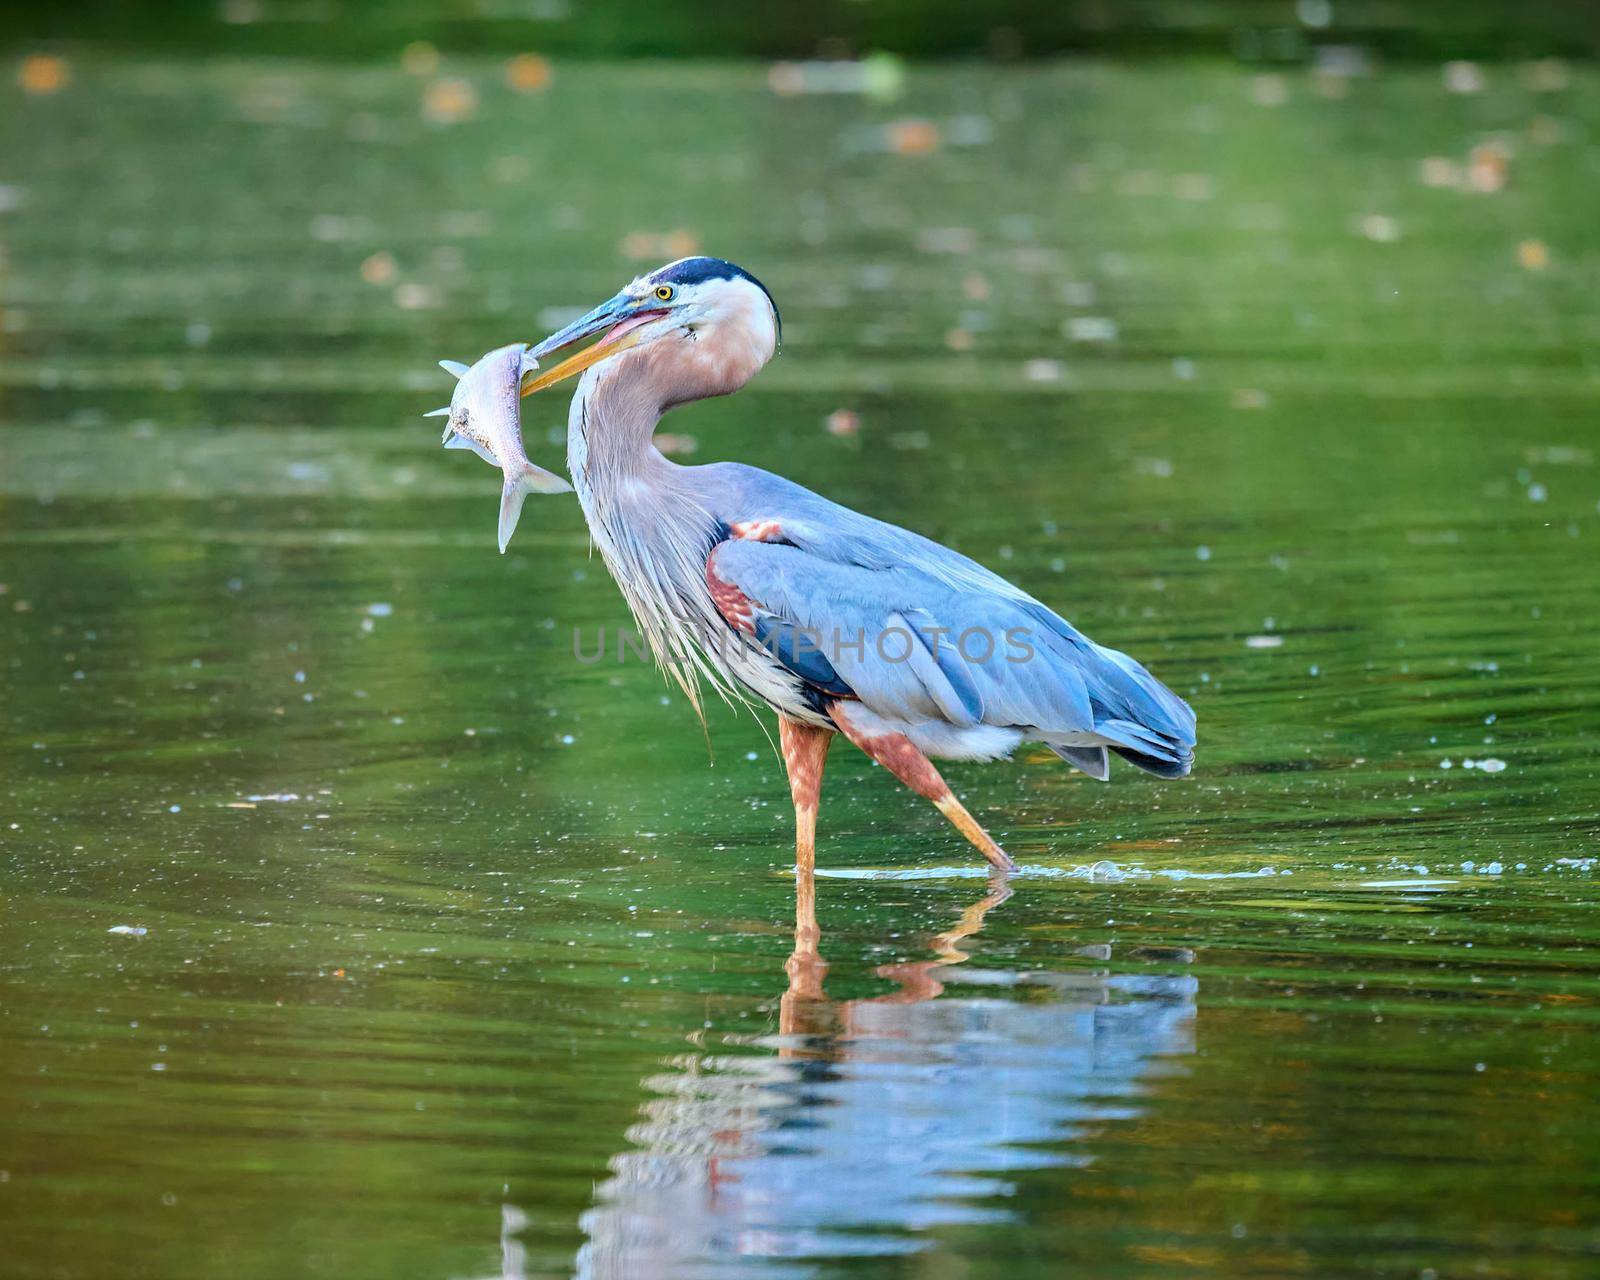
{"points": [[622, 316]]}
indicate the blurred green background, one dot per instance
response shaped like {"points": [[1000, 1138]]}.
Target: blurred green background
{"points": [[1285, 31]]}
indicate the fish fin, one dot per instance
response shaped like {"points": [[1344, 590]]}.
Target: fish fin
{"points": [[461, 442], [530, 479], [438, 413], [455, 367]]}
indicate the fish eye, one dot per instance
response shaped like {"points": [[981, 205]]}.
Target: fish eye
{"points": [[664, 292]]}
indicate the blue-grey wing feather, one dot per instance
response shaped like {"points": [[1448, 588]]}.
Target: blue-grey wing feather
{"points": [[852, 581]]}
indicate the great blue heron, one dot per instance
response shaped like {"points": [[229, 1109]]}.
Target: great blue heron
{"points": [[839, 622]]}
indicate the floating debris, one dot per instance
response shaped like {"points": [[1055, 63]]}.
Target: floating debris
{"points": [[912, 137], [412, 296], [1091, 329], [842, 422], [1263, 642], [1533, 255], [1463, 77], [379, 268], [1249, 398], [528, 73], [128, 930], [880, 75], [332, 228], [1043, 370], [1560, 455], [1488, 167], [42, 74], [449, 101], [1379, 228], [640, 246], [1314, 13], [1269, 90]]}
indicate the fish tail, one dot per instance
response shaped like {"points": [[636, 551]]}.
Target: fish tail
{"points": [[520, 482]]}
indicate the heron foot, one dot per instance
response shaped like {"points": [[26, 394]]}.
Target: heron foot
{"points": [[967, 825]]}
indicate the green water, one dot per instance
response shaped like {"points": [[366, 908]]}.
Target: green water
{"points": [[463, 958]]}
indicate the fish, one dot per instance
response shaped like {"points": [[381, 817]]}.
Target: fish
{"points": [[485, 414]]}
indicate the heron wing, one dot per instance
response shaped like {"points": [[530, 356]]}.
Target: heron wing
{"points": [[917, 631], [907, 646], [820, 565]]}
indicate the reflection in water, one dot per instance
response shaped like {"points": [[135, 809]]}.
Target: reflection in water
{"points": [[880, 1117]]}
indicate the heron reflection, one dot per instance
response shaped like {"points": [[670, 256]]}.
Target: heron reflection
{"points": [[872, 1120]]}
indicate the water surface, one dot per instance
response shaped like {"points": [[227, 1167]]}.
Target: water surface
{"points": [[352, 928]]}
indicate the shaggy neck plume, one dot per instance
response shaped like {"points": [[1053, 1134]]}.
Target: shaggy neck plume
{"points": [[643, 514]]}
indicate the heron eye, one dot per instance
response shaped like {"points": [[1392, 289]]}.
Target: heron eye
{"points": [[664, 292]]}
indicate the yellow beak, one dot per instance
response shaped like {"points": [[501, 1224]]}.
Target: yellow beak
{"points": [[574, 365]]}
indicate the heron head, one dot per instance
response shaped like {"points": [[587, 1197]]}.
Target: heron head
{"points": [[721, 315]]}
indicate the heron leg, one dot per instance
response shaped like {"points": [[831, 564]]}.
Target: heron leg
{"points": [[903, 758], [805, 751]]}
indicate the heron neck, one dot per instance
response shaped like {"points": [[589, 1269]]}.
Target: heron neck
{"points": [[609, 430], [626, 488], [651, 526]]}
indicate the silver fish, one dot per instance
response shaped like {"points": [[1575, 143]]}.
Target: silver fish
{"points": [[486, 416]]}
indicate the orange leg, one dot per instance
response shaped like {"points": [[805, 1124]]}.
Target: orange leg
{"points": [[805, 751], [903, 758]]}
